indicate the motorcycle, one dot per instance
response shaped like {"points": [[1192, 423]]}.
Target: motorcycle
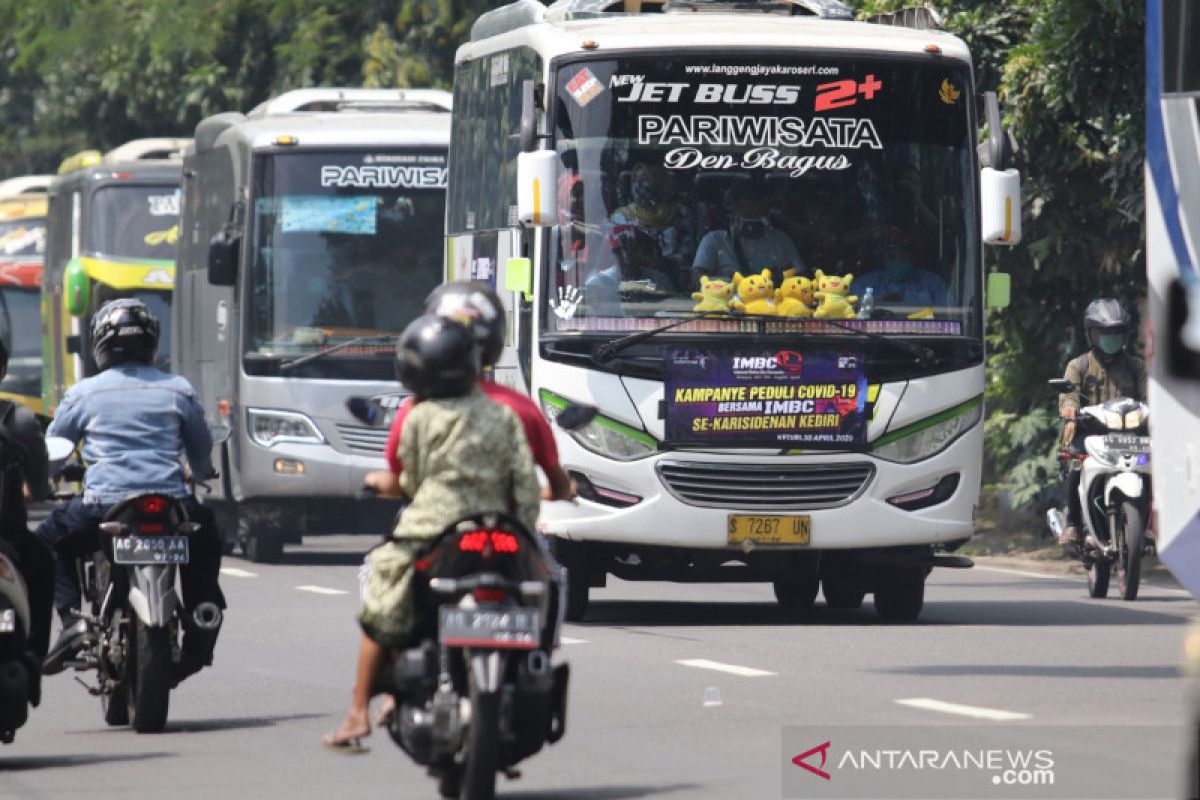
{"points": [[19, 668], [478, 693], [132, 614], [1114, 490]]}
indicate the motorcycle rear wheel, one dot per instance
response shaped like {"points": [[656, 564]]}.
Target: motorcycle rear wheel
{"points": [[150, 694], [483, 743], [1135, 543]]}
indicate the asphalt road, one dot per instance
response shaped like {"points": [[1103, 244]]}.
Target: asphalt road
{"points": [[678, 691]]}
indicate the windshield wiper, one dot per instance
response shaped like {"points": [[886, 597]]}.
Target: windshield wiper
{"points": [[287, 366], [925, 355], [605, 352]]}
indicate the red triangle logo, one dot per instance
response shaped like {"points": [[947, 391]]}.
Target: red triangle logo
{"points": [[800, 760]]}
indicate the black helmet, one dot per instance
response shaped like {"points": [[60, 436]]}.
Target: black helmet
{"points": [[1106, 325], [437, 357], [124, 330], [474, 304]]}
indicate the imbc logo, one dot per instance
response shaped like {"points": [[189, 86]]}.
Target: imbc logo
{"points": [[802, 760]]}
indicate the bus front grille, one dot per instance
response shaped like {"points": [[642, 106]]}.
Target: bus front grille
{"points": [[786, 486], [362, 439]]}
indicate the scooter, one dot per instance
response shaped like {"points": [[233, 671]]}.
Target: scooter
{"points": [[19, 669], [1114, 490]]}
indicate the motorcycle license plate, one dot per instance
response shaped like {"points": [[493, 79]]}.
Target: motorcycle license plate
{"points": [[512, 628], [8, 620], [150, 549], [1127, 443], [795, 529]]}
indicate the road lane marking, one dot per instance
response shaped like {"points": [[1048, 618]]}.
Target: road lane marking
{"points": [[732, 669], [569, 640], [1075, 578], [995, 714], [321, 590], [238, 573]]}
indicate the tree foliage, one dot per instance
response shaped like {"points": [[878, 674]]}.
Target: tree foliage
{"points": [[1070, 78]]}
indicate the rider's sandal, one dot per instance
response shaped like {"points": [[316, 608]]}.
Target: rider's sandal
{"points": [[351, 745]]}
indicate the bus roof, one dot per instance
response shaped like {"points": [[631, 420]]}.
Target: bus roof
{"points": [[556, 32], [25, 184], [328, 129]]}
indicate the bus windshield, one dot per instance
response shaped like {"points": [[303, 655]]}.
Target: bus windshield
{"points": [[134, 221], [23, 237], [679, 172], [345, 245], [25, 342]]}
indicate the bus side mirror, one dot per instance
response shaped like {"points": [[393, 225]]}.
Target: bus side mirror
{"points": [[999, 183], [77, 288], [223, 258], [1183, 330], [528, 132], [999, 290], [537, 181]]}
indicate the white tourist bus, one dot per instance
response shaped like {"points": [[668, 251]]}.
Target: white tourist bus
{"points": [[615, 166], [1172, 256]]}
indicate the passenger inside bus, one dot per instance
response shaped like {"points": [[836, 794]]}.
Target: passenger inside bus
{"points": [[898, 280], [655, 210], [750, 243], [633, 274]]}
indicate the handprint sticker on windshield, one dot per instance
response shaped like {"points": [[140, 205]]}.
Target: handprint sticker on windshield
{"points": [[569, 298]]}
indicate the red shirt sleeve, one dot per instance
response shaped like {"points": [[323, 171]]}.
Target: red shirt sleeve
{"points": [[391, 449], [537, 430]]}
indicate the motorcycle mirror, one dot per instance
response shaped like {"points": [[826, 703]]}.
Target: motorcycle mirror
{"points": [[220, 433], [1061, 385], [58, 450], [575, 416], [365, 410]]}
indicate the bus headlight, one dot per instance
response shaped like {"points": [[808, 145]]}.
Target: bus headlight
{"points": [[931, 435], [603, 435], [269, 428]]}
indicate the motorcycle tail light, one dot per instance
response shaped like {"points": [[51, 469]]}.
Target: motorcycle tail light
{"points": [[483, 595], [152, 504], [477, 542], [150, 527]]}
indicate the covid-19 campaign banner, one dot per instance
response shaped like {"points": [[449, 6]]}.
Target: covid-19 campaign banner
{"points": [[766, 398]]}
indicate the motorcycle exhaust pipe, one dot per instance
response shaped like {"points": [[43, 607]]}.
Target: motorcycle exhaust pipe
{"points": [[207, 616]]}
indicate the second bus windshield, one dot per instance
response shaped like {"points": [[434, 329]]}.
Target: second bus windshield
{"points": [[345, 245]]}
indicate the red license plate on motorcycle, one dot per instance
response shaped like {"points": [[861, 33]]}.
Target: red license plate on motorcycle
{"points": [[142, 550], [510, 628]]}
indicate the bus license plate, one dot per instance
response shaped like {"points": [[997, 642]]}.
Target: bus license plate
{"points": [[8, 620], [512, 628], [770, 530], [150, 549]]}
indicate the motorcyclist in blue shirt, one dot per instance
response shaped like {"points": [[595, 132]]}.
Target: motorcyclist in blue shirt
{"points": [[134, 420]]}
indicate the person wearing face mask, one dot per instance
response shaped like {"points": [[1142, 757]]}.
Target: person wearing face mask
{"points": [[1103, 372], [656, 213], [750, 244], [900, 281]]}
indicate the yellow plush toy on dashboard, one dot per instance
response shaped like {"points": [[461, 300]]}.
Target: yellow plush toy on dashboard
{"points": [[833, 292], [714, 295], [755, 293], [794, 297]]}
